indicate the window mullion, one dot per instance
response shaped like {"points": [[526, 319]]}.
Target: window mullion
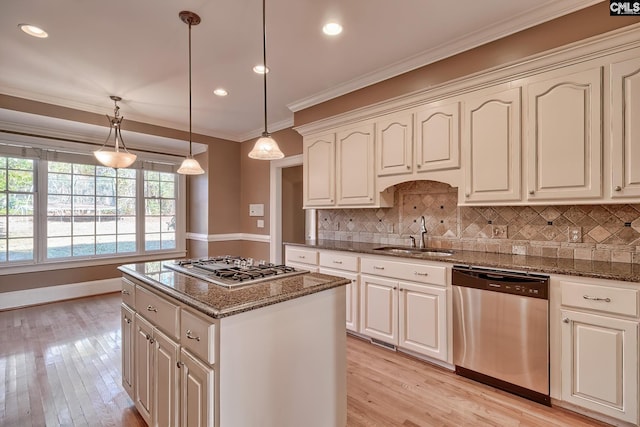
{"points": [[140, 212]]}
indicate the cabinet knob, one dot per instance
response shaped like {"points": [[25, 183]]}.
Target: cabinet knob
{"points": [[418, 166], [408, 167], [617, 188], [467, 194], [566, 320], [151, 341], [148, 336], [532, 192], [125, 292], [394, 288], [127, 320]]}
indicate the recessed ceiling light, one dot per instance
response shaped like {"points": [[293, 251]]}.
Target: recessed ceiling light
{"points": [[332, 28], [220, 92], [260, 69], [34, 31]]}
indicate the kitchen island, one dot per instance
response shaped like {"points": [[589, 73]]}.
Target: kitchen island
{"points": [[266, 354]]}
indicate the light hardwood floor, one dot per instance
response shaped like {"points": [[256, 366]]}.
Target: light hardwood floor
{"points": [[60, 366]]}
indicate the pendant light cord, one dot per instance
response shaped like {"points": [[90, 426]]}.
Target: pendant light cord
{"points": [[264, 63], [190, 151]]}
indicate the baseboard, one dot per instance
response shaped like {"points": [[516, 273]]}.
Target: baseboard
{"points": [[18, 299]]}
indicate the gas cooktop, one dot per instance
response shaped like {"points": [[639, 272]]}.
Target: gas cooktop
{"points": [[232, 271]]}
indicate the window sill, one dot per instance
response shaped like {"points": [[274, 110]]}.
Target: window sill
{"points": [[67, 264]]}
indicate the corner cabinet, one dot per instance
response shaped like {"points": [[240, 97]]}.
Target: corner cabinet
{"points": [[625, 128], [565, 134], [491, 146], [339, 169]]}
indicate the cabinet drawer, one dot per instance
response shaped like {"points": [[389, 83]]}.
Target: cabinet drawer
{"points": [[607, 299], [199, 336], [304, 256], [158, 310], [415, 272], [339, 261], [128, 293]]}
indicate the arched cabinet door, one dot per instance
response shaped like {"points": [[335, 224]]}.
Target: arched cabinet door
{"points": [[492, 145], [355, 172], [319, 170], [564, 135]]}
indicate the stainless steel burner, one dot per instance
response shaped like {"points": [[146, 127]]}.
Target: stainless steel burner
{"points": [[232, 271]]}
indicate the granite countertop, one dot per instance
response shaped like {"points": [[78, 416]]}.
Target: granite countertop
{"points": [[218, 301], [596, 269]]}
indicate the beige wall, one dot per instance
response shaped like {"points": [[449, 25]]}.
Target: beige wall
{"points": [[293, 217], [40, 279], [577, 26]]}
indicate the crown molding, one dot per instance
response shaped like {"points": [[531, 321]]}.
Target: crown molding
{"points": [[274, 127]]}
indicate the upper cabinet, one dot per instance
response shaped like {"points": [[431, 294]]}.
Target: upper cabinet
{"points": [[564, 135], [491, 141], [625, 128], [394, 143], [339, 169], [437, 142]]}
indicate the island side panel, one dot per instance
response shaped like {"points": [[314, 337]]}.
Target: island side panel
{"points": [[285, 365]]}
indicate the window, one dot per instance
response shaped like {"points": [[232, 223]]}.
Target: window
{"points": [[91, 210], [85, 211], [17, 191]]}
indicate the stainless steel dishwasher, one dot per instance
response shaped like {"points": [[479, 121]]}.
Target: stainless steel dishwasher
{"points": [[501, 330]]}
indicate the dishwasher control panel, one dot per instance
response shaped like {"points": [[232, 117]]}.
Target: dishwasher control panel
{"points": [[516, 283]]}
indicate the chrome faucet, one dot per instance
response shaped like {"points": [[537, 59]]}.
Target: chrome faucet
{"points": [[423, 231]]}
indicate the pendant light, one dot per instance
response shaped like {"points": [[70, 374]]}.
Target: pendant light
{"points": [[116, 158], [190, 166], [266, 148]]}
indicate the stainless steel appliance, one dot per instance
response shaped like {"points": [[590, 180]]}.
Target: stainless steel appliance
{"points": [[501, 330], [231, 271]]}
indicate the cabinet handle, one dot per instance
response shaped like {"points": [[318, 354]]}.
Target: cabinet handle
{"points": [[148, 336], [125, 292], [420, 274], [617, 188], [590, 298], [394, 288], [127, 320], [532, 192], [566, 320], [179, 364], [191, 337], [301, 256], [401, 289], [375, 267], [152, 308], [337, 262], [151, 341]]}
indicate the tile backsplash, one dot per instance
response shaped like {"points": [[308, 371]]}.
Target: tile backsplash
{"points": [[588, 232]]}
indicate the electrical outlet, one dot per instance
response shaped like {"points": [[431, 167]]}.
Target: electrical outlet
{"points": [[575, 234], [390, 227], [499, 231]]}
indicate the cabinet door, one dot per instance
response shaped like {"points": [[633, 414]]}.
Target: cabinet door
{"points": [[564, 137], [625, 128], [128, 337], [492, 146], [143, 368], [196, 398], [355, 165], [600, 364], [319, 170], [423, 320], [352, 296], [165, 381], [437, 143], [379, 308], [394, 144]]}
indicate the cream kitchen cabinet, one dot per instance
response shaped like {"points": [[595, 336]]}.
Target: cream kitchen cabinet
{"points": [[564, 135], [197, 392], [339, 169], [405, 304], [492, 146], [599, 362], [156, 375], [625, 128], [394, 144], [128, 354], [437, 136], [344, 265], [302, 258]]}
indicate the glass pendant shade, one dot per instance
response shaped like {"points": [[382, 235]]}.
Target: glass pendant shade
{"points": [[190, 166], [266, 148], [115, 158]]}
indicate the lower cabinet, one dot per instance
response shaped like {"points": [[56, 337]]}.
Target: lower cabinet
{"points": [[156, 375], [197, 392], [600, 364], [410, 315], [128, 337]]}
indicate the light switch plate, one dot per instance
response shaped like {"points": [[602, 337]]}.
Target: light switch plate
{"points": [[256, 209], [260, 223]]}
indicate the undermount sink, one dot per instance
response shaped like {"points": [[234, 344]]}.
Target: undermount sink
{"points": [[408, 250]]}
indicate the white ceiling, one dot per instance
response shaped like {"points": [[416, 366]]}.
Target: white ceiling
{"points": [[138, 50]]}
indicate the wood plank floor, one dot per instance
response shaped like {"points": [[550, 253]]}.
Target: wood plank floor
{"points": [[60, 366]]}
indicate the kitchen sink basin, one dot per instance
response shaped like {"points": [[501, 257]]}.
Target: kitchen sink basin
{"points": [[408, 250]]}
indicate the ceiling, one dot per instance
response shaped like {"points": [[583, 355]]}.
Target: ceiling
{"points": [[138, 50]]}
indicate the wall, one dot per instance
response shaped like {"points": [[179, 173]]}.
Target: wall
{"points": [[606, 232], [293, 217], [585, 23], [255, 188]]}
